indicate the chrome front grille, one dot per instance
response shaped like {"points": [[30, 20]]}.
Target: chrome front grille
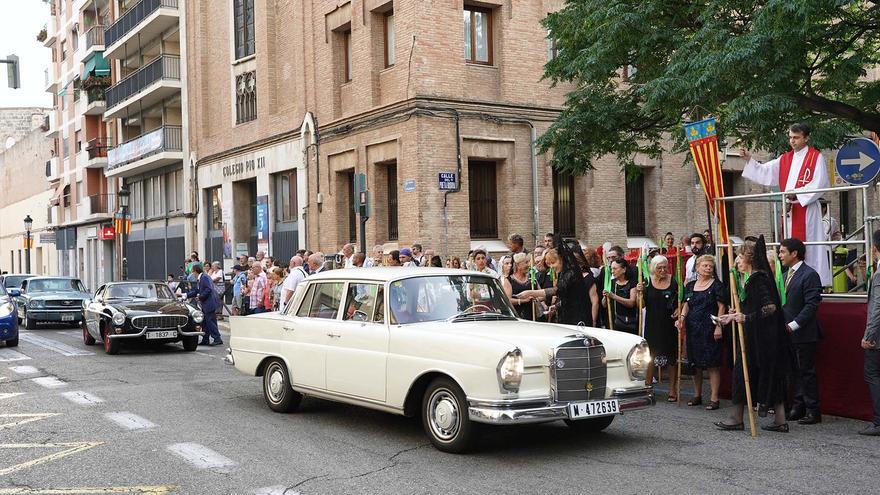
{"points": [[157, 322], [578, 370], [63, 303]]}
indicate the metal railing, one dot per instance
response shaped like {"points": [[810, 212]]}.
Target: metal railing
{"points": [[97, 148], [134, 16], [163, 67], [95, 36], [165, 138]]}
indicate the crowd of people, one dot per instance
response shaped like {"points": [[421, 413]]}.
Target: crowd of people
{"points": [[675, 298]]}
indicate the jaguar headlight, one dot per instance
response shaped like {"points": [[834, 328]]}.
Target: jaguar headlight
{"points": [[119, 319], [198, 316], [36, 303], [510, 371], [639, 360], [6, 309]]}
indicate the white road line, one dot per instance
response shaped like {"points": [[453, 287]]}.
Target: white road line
{"points": [[8, 355], [82, 398], [205, 354], [24, 370], [130, 421], [49, 382], [54, 345], [199, 456], [274, 490]]}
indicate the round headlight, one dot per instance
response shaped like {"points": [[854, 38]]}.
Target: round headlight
{"points": [[6, 309], [35, 303], [198, 316], [639, 360], [119, 319], [510, 371]]}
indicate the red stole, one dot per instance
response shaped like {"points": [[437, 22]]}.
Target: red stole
{"points": [[798, 211]]}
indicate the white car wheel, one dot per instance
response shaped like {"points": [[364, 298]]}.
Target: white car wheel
{"points": [[445, 417]]}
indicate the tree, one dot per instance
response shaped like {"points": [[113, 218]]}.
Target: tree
{"points": [[640, 68]]}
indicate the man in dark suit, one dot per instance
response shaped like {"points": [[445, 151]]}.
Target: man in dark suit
{"points": [[803, 292], [208, 304], [871, 340]]}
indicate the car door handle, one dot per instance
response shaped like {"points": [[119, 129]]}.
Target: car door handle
{"points": [[333, 335], [289, 329]]}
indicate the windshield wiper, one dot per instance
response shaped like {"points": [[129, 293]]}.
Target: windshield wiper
{"points": [[480, 314]]}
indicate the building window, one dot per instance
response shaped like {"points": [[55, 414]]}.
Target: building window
{"points": [[477, 35], [391, 187], [74, 37], [174, 191], [553, 49], [63, 50], [563, 204], [215, 211], [635, 206], [137, 200], [79, 192], [346, 61], [285, 194], [246, 97], [728, 180], [244, 28], [483, 190], [154, 199], [389, 38], [352, 216], [65, 196]]}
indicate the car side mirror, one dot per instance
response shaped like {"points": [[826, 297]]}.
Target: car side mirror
{"points": [[13, 292]]}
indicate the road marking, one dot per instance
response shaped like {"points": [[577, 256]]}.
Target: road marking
{"points": [[70, 449], [205, 354], [24, 370], [199, 456], [9, 395], [82, 398], [130, 421], [54, 345], [145, 490], [7, 355], [20, 419], [271, 490], [49, 382]]}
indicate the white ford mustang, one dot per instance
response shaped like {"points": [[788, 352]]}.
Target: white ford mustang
{"points": [[443, 344]]}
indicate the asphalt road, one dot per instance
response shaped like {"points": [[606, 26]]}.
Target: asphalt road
{"points": [[74, 420]]}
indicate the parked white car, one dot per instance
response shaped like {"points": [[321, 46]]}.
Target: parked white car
{"points": [[444, 344]]}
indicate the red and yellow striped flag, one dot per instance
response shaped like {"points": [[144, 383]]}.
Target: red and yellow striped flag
{"points": [[704, 148]]}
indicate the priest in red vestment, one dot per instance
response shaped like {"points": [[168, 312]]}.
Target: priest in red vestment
{"points": [[802, 169]]}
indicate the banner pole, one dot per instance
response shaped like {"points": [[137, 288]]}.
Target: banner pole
{"points": [[742, 345]]}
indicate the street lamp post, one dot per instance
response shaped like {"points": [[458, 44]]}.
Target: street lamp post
{"points": [[28, 224], [123, 205]]}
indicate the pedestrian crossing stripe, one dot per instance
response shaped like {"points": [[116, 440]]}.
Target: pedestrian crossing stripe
{"points": [[20, 419], [9, 395], [70, 448], [144, 490]]}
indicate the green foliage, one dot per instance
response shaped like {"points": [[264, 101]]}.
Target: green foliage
{"points": [[756, 66]]}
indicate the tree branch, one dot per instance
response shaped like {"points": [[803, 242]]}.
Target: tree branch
{"points": [[867, 120]]}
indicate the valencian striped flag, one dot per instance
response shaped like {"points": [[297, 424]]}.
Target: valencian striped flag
{"points": [[704, 148], [122, 224]]}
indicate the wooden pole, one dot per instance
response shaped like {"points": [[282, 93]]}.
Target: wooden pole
{"points": [[532, 275], [680, 331], [734, 295], [641, 301]]}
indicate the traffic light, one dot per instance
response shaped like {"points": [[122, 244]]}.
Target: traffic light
{"points": [[13, 71]]}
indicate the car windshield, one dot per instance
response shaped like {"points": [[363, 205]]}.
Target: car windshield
{"points": [[13, 281], [55, 285], [438, 298], [139, 291]]}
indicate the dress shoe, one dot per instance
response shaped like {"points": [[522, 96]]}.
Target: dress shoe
{"points": [[810, 419], [216, 342], [871, 431], [721, 425], [204, 342], [795, 415], [783, 428]]}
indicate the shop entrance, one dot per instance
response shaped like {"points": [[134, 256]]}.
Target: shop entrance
{"points": [[244, 214]]}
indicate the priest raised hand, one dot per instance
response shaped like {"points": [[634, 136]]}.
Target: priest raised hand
{"points": [[800, 170]]}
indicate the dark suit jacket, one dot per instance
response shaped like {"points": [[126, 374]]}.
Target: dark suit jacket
{"points": [[803, 295], [205, 293]]}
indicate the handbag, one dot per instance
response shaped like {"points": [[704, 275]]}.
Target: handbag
{"points": [[625, 324]]}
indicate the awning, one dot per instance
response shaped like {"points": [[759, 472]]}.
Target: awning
{"points": [[96, 66], [55, 200]]}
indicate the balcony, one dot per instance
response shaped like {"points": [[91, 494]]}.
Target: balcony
{"points": [[96, 150], [95, 205], [51, 35], [94, 42], [52, 171], [51, 79], [150, 84], [143, 22], [50, 124], [157, 148], [96, 102]]}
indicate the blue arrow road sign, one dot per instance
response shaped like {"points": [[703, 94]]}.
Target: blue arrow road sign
{"points": [[858, 162]]}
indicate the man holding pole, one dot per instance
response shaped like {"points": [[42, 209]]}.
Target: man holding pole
{"points": [[802, 169]]}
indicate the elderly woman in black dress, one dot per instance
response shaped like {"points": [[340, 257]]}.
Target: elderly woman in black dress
{"points": [[571, 289], [661, 310], [769, 354]]}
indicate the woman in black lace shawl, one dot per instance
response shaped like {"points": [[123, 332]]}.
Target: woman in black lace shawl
{"points": [[768, 348], [571, 290]]}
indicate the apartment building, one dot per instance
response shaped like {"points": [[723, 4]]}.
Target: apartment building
{"points": [[83, 199], [144, 116]]}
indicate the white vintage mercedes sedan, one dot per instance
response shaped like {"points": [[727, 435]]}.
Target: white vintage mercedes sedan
{"points": [[442, 344]]}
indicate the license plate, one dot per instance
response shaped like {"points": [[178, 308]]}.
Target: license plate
{"points": [[593, 409], [68, 317], [168, 334]]}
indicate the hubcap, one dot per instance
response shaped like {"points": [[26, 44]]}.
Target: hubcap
{"points": [[275, 384], [443, 415]]}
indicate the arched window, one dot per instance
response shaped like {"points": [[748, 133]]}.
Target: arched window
{"points": [[65, 196]]}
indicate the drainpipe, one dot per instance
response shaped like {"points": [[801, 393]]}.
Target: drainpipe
{"points": [[533, 138], [457, 183]]}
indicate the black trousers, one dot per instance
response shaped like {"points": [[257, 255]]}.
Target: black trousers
{"points": [[806, 385], [872, 378]]}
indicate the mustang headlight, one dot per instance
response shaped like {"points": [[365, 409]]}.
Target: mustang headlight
{"points": [[639, 360], [119, 319], [510, 371], [6, 309], [198, 316], [36, 303]]}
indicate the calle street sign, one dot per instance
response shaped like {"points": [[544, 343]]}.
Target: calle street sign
{"points": [[858, 162]]}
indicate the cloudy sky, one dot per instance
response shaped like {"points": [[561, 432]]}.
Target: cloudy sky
{"points": [[19, 26]]}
